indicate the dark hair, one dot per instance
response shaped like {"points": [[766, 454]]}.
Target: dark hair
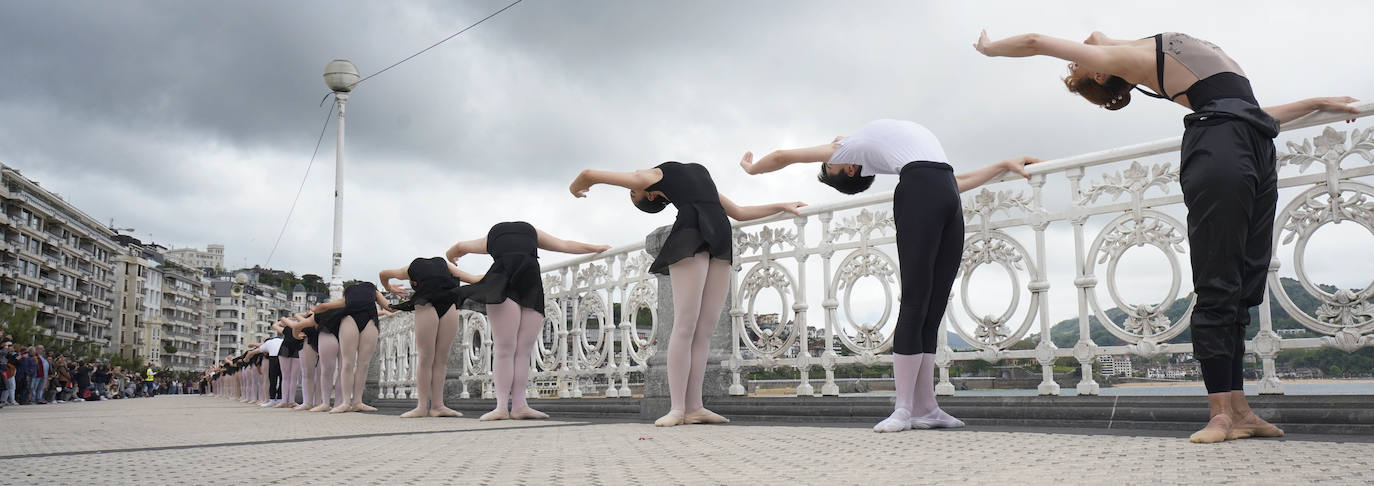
{"points": [[1115, 94], [846, 183], [651, 205]]}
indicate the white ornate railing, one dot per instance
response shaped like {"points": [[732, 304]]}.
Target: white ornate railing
{"points": [[1119, 208], [581, 339]]}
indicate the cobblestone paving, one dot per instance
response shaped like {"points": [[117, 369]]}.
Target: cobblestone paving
{"points": [[203, 440]]}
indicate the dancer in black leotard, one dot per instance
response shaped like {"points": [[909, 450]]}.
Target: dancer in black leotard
{"points": [[1229, 181], [289, 358], [930, 241], [514, 294], [696, 256], [436, 324], [353, 319]]}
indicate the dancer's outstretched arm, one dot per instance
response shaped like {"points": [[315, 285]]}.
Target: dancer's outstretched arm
{"points": [[1297, 109], [636, 180], [385, 276], [553, 243], [383, 303], [778, 159], [970, 180], [478, 246], [1136, 66], [747, 213], [464, 276], [333, 304]]}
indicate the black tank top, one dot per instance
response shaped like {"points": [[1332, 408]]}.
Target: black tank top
{"points": [[1218, 76]]}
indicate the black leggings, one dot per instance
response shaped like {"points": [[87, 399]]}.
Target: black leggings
{"points": [[273, 378], [930, 243], [1229, 185]]}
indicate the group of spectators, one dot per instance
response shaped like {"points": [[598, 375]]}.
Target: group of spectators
{"points": [[34, 376]]}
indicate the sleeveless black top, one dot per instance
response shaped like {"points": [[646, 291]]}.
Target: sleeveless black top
{"points": [[701, 224], [312, 337], [329, 322], [514, 272], [290, 346], [434, 285], [1219, 76], [360, 303]]}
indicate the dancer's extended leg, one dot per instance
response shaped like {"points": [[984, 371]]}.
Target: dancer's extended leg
{"points": [[426, 326], [688, 277], [367, 343], [505, 330], [443, 341], [329, 378], [712, 300], [530, 324], [310, 375]]}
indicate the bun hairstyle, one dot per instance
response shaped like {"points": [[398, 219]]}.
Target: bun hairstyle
{"points": [[1113, 95], [651, 205]]}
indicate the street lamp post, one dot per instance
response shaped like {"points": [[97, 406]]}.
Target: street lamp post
{"points": [[340, 75]]}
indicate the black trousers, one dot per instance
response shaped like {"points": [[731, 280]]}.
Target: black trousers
{"points": [[930, 243], [273, 378], [1230, 186]]}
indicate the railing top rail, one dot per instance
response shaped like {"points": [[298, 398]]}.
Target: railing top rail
{"points": [[1089, 159]]}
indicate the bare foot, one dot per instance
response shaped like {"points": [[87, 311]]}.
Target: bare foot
{"points": [[341, 409], [1216, 431], [704, 416], [363, 407], [323, 407], [416, 412], [444, 412], [526, 412], [498, 414], [1252, 426], [674, 418]]}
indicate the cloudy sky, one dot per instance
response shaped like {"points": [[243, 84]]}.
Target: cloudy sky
{"points": [[193, 122]]}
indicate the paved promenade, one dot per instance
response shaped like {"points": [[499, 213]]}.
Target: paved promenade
{"points": [[203, 440]]}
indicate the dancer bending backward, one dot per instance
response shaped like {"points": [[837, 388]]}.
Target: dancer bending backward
{"points": [[514, 294], [696, 256], [353, 320], [436, 324], [1229, 181], [930, 240]]}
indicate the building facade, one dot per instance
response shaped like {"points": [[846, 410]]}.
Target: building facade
{"points": [[164, 313], [246, 309], [212, 257], [58, 260]]}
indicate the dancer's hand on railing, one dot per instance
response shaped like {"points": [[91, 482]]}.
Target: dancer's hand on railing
{"points": [[1018, 165], [793, 207]]}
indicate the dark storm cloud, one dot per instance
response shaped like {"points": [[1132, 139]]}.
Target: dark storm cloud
{"points": [[193, 121]]}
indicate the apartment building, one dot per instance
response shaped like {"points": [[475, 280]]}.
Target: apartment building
{"points": [[58, 260]]}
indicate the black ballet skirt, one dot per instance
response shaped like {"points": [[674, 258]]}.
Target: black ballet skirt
{"points": [[434, 285], [701, 224], [312, 337], [514, 272], [290, 346]]}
